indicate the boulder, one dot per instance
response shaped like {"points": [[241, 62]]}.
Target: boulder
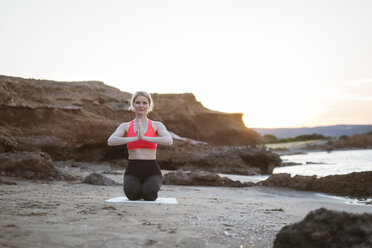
{"points": [[356, 184], [30, 165], [276, 180], [7, 182], [98, 179], [284, 180], [200, 178], [328, 229], [301, 182]]}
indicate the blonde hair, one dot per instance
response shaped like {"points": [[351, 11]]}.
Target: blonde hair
{"points": [[144, 94]]}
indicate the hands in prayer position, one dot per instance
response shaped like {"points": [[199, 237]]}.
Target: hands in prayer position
{"points": [[139, 130]]}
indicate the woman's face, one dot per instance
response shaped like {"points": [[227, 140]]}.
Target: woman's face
{"points": [[141, 105]]}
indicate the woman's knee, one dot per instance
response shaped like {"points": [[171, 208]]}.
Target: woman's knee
{"points": [[133, 193], [132, 188], [150, 188], [150, 194]]}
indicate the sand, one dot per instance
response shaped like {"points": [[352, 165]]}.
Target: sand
{"points": [[73, 214]]}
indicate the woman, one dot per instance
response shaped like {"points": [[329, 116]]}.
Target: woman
{"points": [[142, 177]]}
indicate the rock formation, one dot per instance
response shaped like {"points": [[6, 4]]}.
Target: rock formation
{"points": [[355, 141], [223, 159], [356, 184], [73, 120], [200, 178], [98, 179], [186, 117], [72, 109], [30, 165], [325, 228]]}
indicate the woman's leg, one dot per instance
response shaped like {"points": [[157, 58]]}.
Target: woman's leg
{"points": [[132, 187], [151, 187]]}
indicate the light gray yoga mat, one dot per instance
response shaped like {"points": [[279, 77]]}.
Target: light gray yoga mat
{"points": [[157, 201]]}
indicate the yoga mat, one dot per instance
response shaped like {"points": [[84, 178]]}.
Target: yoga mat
{"points": [[157, 201]]}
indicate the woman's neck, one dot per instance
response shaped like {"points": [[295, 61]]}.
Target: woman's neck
{"points": [[143, 118]]}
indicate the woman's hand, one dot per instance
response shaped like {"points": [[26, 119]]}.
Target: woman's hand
{"points": [[139, 130]]}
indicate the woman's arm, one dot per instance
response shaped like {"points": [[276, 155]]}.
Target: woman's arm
{"points": [[117, 139], [163, 138]]}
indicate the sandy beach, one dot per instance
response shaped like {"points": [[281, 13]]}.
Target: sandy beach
{"points": [[73, 214]]}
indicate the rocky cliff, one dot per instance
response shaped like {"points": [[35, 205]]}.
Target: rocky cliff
{"points": [[188, 118], [72, 120]]}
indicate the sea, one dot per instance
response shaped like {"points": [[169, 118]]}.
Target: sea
{"points": [[320, 164], [324, 163]]}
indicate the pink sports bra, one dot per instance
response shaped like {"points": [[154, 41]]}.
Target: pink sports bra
{"points": [[141, 144]]}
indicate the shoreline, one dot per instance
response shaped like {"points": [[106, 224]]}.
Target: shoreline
{"points": [[70, 214], [296, 151], [323, 163]]}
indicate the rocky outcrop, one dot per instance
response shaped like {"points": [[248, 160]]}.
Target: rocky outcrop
{"points": [[189, 118], [98, 179], [30, 165], [73, 120], [325, 228], [356, 184], [223, 159], [355, 141], [78, 117], [7, 182], [7, 141], [65, 120], [200, 178]]}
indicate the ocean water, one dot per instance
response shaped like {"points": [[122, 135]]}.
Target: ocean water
{"points": [[321, 164], [328, 163]]}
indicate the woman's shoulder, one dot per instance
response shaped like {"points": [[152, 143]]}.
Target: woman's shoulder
{"points": [[157, 124], [125, 125]]}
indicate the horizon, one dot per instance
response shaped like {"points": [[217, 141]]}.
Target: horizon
{"points": [[291, 64], [303, 127]]}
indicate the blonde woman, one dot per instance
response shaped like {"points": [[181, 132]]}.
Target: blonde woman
{"points": [[142, 177]]}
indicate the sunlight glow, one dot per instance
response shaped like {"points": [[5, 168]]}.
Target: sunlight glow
{"points": [[292, 63]]}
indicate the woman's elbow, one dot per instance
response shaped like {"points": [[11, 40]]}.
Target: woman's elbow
{"points": [[170, 142], [109, 142]]}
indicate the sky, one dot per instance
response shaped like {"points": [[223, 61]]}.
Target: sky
{"points": [[288, 63]]}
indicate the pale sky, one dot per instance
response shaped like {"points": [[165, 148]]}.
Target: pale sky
{"points": [[282, 63]]}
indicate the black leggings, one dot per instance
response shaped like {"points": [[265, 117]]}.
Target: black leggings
{"points": [[142, 179]]}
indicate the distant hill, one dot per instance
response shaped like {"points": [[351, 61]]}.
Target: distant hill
{"points": [[333, 131]]}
